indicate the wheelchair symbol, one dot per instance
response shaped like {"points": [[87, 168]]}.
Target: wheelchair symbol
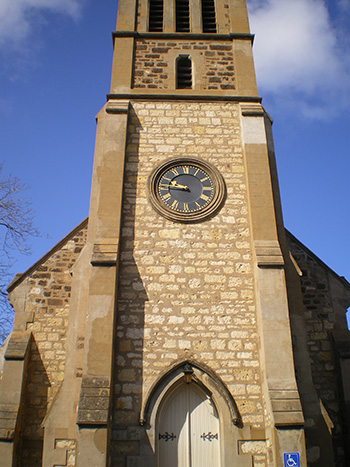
{"points": [[290, 462], [291, 459]]}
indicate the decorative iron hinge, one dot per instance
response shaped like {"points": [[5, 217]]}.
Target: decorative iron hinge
{"points": [[167, 436], [209, 436]]}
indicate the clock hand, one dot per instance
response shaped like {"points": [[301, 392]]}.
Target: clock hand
{"points": [[174, 183]]}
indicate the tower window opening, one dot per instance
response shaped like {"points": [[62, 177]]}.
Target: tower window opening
{"points": [[182, 16], [208, 16], [184, 73], [156, 15]]}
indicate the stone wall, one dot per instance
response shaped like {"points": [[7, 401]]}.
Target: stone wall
{"points": [[212, 64], [321, 319], [46, 289], [185, 291]]}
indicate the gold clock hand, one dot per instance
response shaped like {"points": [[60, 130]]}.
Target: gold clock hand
{"points": [[177, 185]]}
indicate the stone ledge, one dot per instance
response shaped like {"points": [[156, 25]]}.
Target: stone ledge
{"points": [[117, 107], [104, 254], [288, 418], [184, 36], [179, 95], [6, 435], [268, 253], [18, 345], [254, 110], [286, 407]]}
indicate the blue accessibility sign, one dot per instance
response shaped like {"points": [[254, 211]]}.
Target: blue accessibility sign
{"points": [[291, 459]]}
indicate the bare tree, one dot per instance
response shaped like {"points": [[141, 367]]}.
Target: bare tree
{"points": [[16, 226]]}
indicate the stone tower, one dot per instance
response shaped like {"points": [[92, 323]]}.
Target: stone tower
{"points": [[158, 332]]}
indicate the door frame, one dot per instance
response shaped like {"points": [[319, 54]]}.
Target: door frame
{"points": [[230, 421]]}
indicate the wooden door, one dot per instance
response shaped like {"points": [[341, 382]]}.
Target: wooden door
{"points": [[188, 430]]}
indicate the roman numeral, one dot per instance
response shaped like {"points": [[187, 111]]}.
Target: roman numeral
{"points": [[186, 208], [166, 197], [205, 197], [175, 204], [186, 170], [175, 172]]}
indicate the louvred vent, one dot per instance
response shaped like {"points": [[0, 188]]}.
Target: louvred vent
{"points": [[208, 16], [182, 16], [156, 15], [184, 73]]}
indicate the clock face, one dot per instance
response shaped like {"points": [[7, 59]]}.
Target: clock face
{"points": [[186, 190]]}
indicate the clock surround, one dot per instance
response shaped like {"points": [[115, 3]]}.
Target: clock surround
{"points": [[187, 190]]}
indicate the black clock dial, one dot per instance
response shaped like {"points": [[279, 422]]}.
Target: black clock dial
{"points": [[185, 188]]}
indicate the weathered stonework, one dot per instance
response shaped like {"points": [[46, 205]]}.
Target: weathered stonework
{"points": [[45, 292], [94, 401], [324, 314], [186, 290], [70, 446], [155, 63], [132, 324]]}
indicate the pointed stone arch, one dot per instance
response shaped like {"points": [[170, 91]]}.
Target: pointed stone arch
{"points": [[211, 386], [202, 375]]}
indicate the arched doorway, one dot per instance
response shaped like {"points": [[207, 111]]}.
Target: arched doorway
{"points": [[188, 429]]}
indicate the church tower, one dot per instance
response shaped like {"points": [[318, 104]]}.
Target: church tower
{"points": [[187, 335], [172, 344]]}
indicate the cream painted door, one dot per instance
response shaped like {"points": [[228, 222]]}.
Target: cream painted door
{"points": [[188, 430]]}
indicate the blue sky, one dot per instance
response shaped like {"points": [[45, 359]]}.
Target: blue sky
{"points": [[55, 63]]}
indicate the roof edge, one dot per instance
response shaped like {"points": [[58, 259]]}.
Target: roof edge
{"points": [[340, 278], [19, 278]]}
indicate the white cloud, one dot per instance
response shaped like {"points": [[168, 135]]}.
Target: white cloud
{"points": [[299, 53], [18, 17]]}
